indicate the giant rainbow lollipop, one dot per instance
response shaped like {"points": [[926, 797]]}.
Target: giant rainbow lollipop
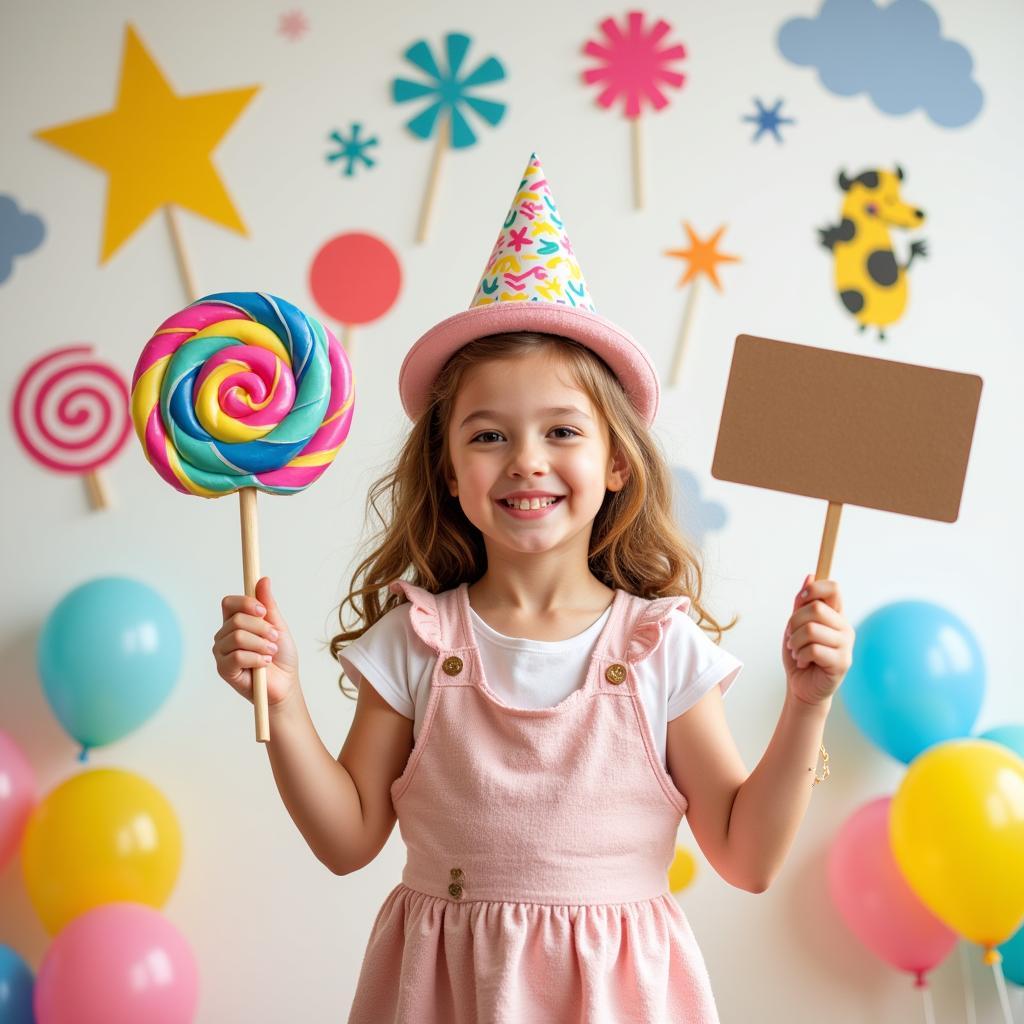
{"points": [[242, 391]]}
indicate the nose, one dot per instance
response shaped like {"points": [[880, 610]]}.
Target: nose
{"points": [[527, 460], [919, 214]]}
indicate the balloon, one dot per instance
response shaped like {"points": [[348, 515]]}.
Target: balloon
{"points": [[17, 797], [917, 678], [957, 830], [109, 654], [103, 835], [682, 871], [118, 964], [874, 900], [1013, 958], [15, 989], [1011, 736]]}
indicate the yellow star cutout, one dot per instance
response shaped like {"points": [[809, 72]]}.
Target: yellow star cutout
{"points": [[155, 146], [702, 256]]}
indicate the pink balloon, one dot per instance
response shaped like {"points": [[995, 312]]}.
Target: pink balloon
{"points": [[876, 902], [17, 796], [119, 963]]}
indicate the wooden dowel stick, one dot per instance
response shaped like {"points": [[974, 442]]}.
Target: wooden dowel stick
{"points": [[828, 540], [427, 208], [188, 277], [684, 332], [639, 183], [348, 337], [250, 574], [96, 488]]}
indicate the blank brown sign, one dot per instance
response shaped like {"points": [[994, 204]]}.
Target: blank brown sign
{"points": [[851, 429]]}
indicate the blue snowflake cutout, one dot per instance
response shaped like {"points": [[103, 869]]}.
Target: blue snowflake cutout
{"points": [[352, 149], [768, 119], [449, 93]]}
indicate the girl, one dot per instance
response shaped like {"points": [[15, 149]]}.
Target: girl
{"points": [[541, 704]]}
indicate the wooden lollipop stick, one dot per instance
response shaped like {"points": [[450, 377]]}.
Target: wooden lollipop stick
{"points": [[251, 573], [639, 189], [348, 338], [188, 277], [684, 332], [828, 540], [427, 208], [96, 487]]}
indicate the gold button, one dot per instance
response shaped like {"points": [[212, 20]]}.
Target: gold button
{"points": [[452, 665], [455, 891], [615, 674]]}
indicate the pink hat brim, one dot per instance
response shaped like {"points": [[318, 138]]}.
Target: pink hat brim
{"points": [[628, 360]]}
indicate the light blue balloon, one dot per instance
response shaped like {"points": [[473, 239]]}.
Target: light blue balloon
{"points": [[1013, 957], [16, 985], [109, 655], [1011, 736], [917, 679]]}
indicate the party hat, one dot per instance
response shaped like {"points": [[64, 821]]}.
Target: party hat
{"points": [[532, 282]]}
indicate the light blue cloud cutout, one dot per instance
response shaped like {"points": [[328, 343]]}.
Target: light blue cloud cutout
{"points": [[20, 233], [896, 54], [696, 516]]}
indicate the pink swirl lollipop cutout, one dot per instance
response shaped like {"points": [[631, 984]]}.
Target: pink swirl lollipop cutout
{"points": [[70, 413]]}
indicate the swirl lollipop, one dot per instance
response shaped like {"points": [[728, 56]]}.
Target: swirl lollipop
{"points": [[70, 413], [242, 391]]}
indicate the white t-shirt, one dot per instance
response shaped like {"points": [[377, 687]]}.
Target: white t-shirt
{"points": [[541, 673]]}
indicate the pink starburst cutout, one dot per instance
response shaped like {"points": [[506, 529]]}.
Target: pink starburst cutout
{"points": [[293, 25], [634, 63]]}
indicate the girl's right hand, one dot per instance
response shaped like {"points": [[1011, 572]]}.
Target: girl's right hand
{"points": [[249, 639]]}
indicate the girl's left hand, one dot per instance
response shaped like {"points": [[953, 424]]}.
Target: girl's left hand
{"points": [[817, 648]]}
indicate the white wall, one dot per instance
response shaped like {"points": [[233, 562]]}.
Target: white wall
{"points": [[276, 936]]}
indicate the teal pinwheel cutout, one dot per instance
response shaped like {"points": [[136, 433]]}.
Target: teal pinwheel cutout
{"points": [[449, 93]]}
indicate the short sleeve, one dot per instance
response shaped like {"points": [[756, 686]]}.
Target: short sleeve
{"points": [[392, 658], [692, 664]]}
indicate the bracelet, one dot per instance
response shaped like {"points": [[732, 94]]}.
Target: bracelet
{"points": [[825, 770]]}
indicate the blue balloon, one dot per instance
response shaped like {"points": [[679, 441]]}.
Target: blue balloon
{"points": [[1011, 736], [1013, 957], [917, 678], [16, 984], [109, 655]]}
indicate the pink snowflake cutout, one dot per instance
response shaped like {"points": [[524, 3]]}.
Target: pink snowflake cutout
{"points": [[634, 63]]}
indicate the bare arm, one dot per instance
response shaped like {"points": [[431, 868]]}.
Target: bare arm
{"points": [[341, 806], [746, 823]]}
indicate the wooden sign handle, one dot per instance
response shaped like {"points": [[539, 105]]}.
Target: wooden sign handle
{"points": [[250, 574], [828, 540]]}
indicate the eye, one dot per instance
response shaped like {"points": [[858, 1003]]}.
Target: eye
{"points": [[571, 431], [483, 434]]}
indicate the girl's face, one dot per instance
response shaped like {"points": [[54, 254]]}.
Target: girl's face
{"points": [[520, 430]]}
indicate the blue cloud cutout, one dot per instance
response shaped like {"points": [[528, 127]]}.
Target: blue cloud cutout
{"points": [[695, 516], [896, 54], [20, 233]]}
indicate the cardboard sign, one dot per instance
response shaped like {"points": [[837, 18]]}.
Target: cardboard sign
{"points": [[850, 429]]}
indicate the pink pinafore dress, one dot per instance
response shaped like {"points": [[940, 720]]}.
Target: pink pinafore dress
{"points": [[535, 889]]}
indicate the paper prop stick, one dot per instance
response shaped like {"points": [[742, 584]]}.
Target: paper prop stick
{"points": [[242, 391], [850, 429], [448, 95], [702, 257], [70, 413], [156, 148], [635, 66], [355, 278]]}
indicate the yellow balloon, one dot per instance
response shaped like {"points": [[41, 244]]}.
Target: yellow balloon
{"points": [[102, 836], [682, 871], [956, 826]]}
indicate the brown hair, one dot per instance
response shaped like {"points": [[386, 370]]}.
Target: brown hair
{"points": [[424, 535]]}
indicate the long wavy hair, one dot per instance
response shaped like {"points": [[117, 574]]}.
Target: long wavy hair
{"points": [[424, 536]]}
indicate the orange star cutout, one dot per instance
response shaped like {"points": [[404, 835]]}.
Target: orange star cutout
{"points": [[155, 146], [702, 257]]}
